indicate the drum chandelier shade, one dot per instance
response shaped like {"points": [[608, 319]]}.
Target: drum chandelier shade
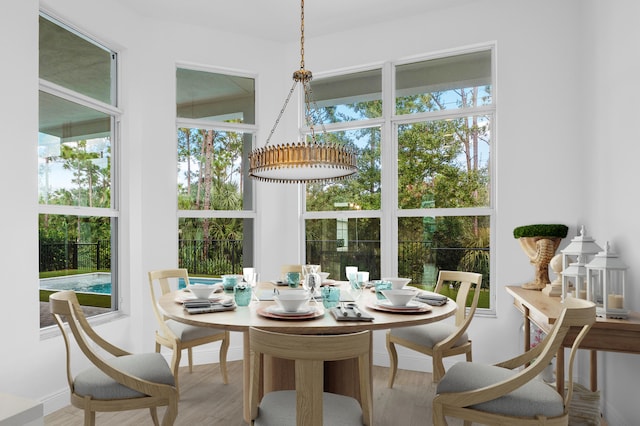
{"points": [[302, 162]]}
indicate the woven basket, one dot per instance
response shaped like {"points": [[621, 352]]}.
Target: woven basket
{"points": [[584, 408]]}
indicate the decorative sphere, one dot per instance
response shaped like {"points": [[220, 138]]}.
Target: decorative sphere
{"points": [[556, 263]]}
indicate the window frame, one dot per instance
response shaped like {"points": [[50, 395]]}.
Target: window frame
{"points": [[249, 129], [390, 213], [113, 212]]}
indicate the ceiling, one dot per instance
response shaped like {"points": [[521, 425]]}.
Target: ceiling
{"points": [[279, 20]]}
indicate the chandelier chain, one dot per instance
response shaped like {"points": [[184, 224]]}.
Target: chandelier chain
{"points": [[286, 102], [301, 34]]}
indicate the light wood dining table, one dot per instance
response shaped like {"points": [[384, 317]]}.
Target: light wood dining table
{"points": [[340, 377]]}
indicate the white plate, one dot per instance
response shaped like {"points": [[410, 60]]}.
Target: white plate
{"points": [[278, 310], [411, 305]]}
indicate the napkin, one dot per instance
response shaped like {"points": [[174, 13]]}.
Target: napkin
{"points": [[338, 314], [203, 306], [431, 298]]}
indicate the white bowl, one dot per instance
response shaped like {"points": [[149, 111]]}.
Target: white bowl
{"points": [[399, 297], [201, 291], [291, 300], [324, 275], [397, 283]]}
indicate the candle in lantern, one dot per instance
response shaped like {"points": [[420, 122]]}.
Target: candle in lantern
{"points": [[615, 301]]}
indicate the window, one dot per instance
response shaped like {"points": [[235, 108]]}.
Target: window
{"points": [[425, 171], [215, 131], [78, 216], [342, 219]]}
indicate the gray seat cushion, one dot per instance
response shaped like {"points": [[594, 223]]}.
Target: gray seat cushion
{"points": [[186, 332], [429, 334], [149, 366], [279, 409], [530, 400]]}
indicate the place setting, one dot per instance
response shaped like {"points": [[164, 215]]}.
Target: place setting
{"points": [[397, 300], [291, 305], [195, 292]]}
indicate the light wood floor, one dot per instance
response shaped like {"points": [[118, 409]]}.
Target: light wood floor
{"points": [[204, 400]]}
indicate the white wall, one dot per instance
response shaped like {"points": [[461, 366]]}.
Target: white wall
{"points": [[560, 65], [612, 173]]}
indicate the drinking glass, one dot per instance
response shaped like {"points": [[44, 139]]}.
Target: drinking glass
{"points": [[355, 287], [252, 279], [311, 278], [242, 294], [348, 270], [293, 279], [330, 296], [381, 285]]}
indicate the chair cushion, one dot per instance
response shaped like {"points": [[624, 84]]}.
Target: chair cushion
{"points": [[429, 334], [279, 409], [532, 399], [186, 332], [149, 366]]}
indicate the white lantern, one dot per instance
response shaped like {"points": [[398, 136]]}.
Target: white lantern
{"points": [[574, 280], [606, 284], [579, 251]]}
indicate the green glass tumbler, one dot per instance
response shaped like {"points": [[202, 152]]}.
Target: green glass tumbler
{"points": [[330, 296], [242, 294], [382, 285]]}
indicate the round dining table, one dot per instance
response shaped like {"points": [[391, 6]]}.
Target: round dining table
{"points": [[340, 377]]}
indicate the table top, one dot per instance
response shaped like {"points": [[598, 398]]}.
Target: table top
{"points": [[544, 310], [244, 317]]}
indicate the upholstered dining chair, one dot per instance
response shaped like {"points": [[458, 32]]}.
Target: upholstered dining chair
{"points": [[179, 336], [505, 393], [308, 404], [117, 380], [439, 339]]}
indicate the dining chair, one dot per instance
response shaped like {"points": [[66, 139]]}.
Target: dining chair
{"points": [[308, 404], [439, 339], [117, 380], [177, 335], [511, 392]]}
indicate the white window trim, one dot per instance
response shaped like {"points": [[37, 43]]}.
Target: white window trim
{"points": [[389, 212]]}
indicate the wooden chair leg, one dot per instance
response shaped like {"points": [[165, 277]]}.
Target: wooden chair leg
{"points": [[190, 356], [438, 367], [224, 348], [393, 361], [175, 364], [154, 416], [171, 413], [89, 418], [438, 415]]}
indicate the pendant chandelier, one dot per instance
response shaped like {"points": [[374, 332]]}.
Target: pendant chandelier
{"points": [[302, 162]]}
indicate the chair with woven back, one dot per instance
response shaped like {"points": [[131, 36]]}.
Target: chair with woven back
{"points": [[179, 336], [308, 404], [440, 339], [511, 392], [117, 380]]}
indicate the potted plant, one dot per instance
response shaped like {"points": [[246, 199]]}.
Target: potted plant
{"points": [[540, 243]]}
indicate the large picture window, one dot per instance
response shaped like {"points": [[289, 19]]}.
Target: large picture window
{"points": [[215, 128], [78, 217], [425, 171]]}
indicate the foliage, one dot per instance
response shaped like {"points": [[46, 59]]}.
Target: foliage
{"points": [[438, 166], [541, 230]]}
